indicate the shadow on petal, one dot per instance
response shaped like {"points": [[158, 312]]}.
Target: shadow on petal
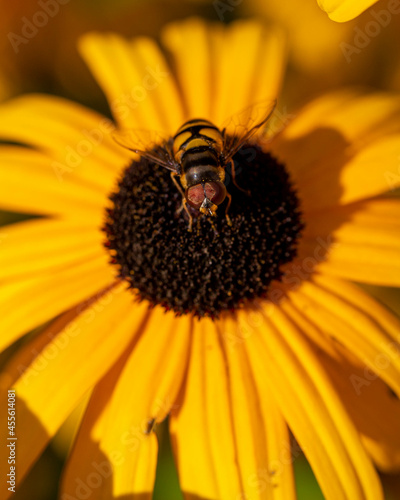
{"points": [[30, 441]]}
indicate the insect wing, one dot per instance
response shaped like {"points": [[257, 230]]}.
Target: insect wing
{"points": [[241, 127], [147, 144]]}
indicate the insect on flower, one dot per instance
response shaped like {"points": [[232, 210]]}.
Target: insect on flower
{"points": [[199, 154]]}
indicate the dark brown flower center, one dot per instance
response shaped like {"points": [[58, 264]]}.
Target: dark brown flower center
{"points": [[217, 266]]}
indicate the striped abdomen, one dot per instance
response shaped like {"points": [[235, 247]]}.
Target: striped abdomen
{"points": [[195, 135]]}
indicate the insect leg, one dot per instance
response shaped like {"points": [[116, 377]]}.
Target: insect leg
{"points": [[184, 203], [247, 191], [227, 208], [149, 426], [178, 187]]}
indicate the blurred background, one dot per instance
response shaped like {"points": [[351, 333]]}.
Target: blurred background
{"points": [[38, 54], [321, 54]]}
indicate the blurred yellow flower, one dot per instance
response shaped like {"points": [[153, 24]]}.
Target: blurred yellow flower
{"points": [[271, 335], [345, 10]]}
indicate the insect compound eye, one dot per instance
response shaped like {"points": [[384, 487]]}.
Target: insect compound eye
{"points": [[216, 192], [195, 196]]}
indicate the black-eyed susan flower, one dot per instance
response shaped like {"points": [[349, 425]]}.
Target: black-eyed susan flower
{"points": [[255, 327]]}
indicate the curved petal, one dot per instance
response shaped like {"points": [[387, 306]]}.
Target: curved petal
{"points": [[311, 330], [29, 303], [357, 115], [77, 141], [91, 467], [136, 80], [80, 353], [342, 148], [312, 409], [364, 241], [25, 356], [373, 408], [30, 184], [371, 404], [357, 329], [207, 458], [340, 180], [344, 10], [40, 247], [117, 428], [355, 296]]}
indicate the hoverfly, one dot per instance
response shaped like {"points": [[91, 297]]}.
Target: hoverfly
{"points": [[198, 155]]}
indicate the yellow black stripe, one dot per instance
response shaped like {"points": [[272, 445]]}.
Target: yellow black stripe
{"points": [[195, 134]]}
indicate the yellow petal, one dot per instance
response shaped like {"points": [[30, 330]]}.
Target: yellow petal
{"points": [[318, 337], [373, 171], [264, 50], [355, 296], [154, 377], [40, 247], [338, 180], [355, 222], [356, 329], [30, 184], [374, 410], [114, 443], [280, 452], [261, 435], [135, 79], [77, 141], [116, 429], [201, 426], [29, 303], [80, 354], [201, 50], [342, 155], [344, 10], [30, 350], [188, 43], [378, 265], [364, 241], [370, 403], [312, 409], [352, 118]]}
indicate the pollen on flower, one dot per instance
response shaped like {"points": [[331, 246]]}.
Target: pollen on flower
{"points": [[217, 266]]}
